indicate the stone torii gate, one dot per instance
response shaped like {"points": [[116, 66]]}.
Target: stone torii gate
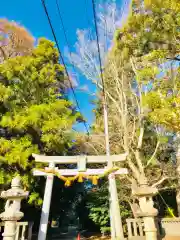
{"points": [[81, 162]]}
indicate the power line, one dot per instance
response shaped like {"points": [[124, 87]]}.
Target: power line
{"points": [[86, 12], [62, 59], [88, 19], [63, 27], [64, 31], [67, 43], [105, 107], [98, 46], [116, 222]]}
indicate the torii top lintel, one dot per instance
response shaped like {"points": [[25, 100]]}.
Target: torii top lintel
{"points": [[75, 159]]}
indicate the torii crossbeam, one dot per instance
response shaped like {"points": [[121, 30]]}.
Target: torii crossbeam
{"points": [[81, 168]]}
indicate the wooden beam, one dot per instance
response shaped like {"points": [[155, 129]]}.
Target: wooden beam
{"points": [[74, 172], [75, 159]]}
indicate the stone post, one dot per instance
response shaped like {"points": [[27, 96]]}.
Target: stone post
{"points": [[12, 211], [144, 194]]}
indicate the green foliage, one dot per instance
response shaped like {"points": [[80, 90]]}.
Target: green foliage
{"points": [[35, 78], [151, 35], [143, 89], [170, 212], [10, 150], [98, 205], [35, 115], [150, 29], [163, 101], [100, 216], [166, 112], [35, 199]]}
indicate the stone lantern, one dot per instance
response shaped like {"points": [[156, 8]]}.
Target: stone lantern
{"points": [[12, 212], [144, 194]]}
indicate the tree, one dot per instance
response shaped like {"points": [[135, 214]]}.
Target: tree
{"points": [[15, 40], [98, 205], [130, 71], [85, 57], [163, 109], [140, 50], [35, 116]]}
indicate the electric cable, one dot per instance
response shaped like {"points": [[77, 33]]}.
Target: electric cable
{"points": [[98, 47], [62, 59]]}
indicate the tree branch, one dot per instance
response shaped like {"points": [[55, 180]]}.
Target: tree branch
{"points": [[154, 154], [112, 99], [140, 140], [162, 180], [3, 53], [91, 146], [133, 168], [167, 188]]}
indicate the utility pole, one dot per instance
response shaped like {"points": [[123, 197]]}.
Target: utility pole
{"points": [[116, 222], [115, 216]]}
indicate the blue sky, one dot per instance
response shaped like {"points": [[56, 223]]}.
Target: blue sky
{"points": [[31, 15]]}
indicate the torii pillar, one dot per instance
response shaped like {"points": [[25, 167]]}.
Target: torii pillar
{"points": [[80, 161]]}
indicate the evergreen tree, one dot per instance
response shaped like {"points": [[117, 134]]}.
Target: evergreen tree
{"points": [[35, 115]]}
